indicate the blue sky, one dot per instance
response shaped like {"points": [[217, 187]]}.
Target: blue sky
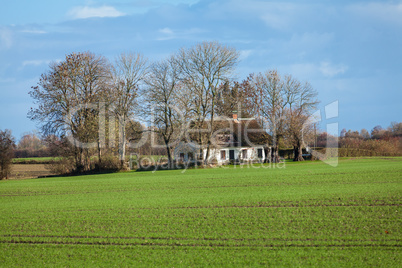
{"points": [[350, 51]]}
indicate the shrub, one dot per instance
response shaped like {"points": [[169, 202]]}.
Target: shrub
{"points": [[7, 146], [109, 162], [63, 166], [357, 147]]}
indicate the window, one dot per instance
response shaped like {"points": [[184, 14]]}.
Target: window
{"points": [[182, 156], [231, 155], [244, 154], [223, 155], [190, 156], [259, 152]]}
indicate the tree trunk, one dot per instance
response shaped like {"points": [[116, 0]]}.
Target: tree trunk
{"points": [[207, 154], [3, 173], [201, 147], [122, 142], [99, 156], [298, 152], [275, 154], [87, 159], [212, 129], [169, 155], [275, 147], [79, 166], [122, 153]]}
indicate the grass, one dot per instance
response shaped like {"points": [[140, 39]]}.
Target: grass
{"points": [[47, 160], [306, 214], [34, 160]]}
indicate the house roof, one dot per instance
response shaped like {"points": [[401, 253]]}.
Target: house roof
{"points": [[248, 133], [241, 132]]}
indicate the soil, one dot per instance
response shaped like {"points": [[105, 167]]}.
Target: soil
{"points": [[27, 171]]}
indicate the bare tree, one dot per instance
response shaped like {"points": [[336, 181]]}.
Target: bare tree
{"points": [[7, 145], [204, 67], [163, 99], [377, 132], [30, 141], [270, 102], [364, 134], [232, 99], [67, 97], [301, 100], [31, 145], [396, 129], [283, 105], [130, 70]]}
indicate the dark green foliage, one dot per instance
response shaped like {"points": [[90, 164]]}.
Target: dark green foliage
{"points": [[7, 146]]}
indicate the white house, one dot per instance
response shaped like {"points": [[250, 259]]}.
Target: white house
{"points": [[226, 155], [238, 140], [223, 155]]}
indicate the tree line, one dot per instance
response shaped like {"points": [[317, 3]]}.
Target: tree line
{"points": [[377, 142]]}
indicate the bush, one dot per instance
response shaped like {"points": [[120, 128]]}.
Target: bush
{"points": [[7, 146], [63, 166], [109, 162], [357, 147]]}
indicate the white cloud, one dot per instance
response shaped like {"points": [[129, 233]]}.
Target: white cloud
{"points": [[328, 69], [168, 34], [387, 12], [166, 31], [302, 71], [278, 16], [309, 70], [244, 54], [311, 39], [7, 80], [274, 14], [275, 21], [34, 31], [90, 12], [35, 62], [6, 39]]}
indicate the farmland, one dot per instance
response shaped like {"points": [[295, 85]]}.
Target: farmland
{"points": [[301, 214], [24, 171], [24, 168]]}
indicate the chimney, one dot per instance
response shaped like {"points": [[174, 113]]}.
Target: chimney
{"points": [[234, 117]]}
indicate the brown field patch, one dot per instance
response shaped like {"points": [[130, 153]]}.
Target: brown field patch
{"points": [[26, 171]]}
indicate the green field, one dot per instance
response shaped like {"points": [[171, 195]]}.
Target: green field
{"points": [[306, 214], [34, 160]]}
